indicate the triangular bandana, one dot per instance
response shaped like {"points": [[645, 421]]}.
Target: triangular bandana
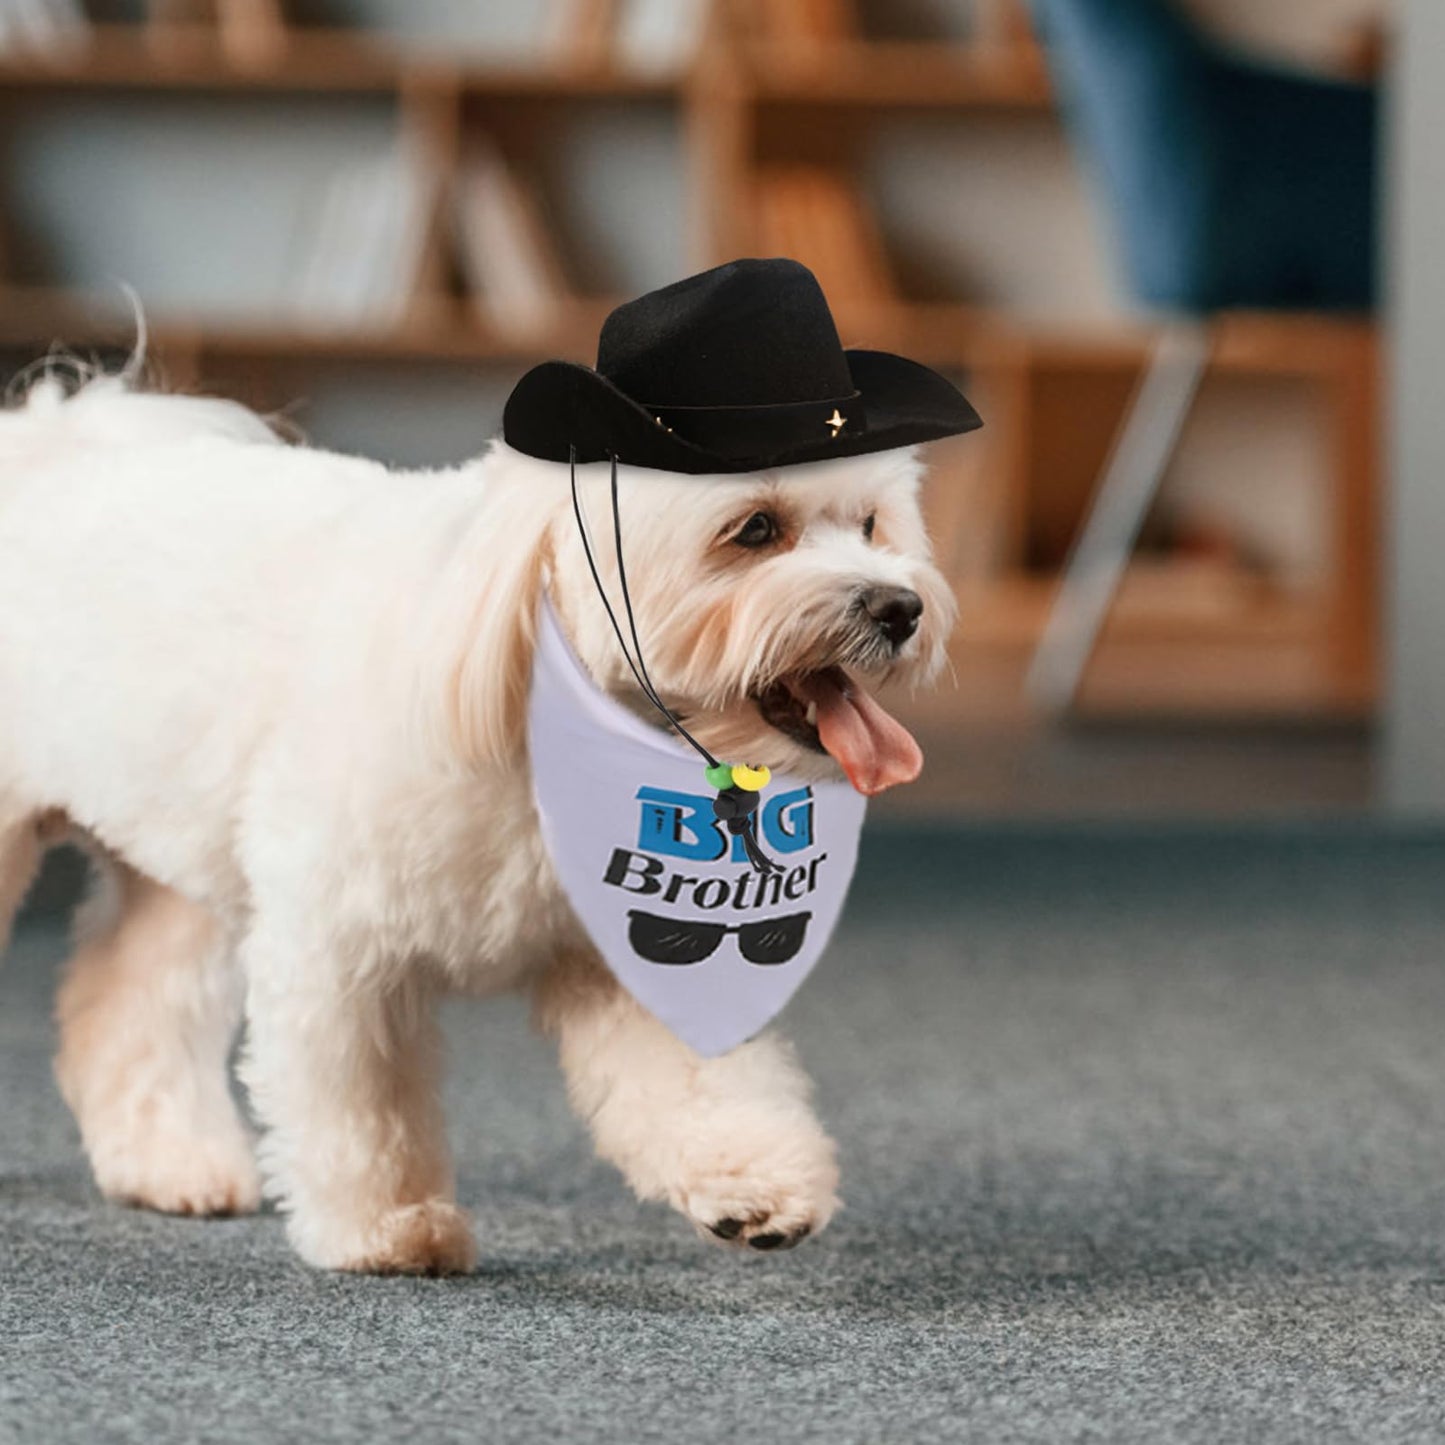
{"points": [[665, 893]]}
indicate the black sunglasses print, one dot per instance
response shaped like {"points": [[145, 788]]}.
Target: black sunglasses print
{"points": [[680, 940]]}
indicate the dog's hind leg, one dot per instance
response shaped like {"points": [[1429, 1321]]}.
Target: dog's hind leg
{"points": [[147, 1012]]}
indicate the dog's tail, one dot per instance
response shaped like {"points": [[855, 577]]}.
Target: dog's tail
{"points": [[62, 404]]}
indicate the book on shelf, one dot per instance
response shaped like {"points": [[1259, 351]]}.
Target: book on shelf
{"points": [[579, 31], [1003, 28], [252, 32], [817, 215], [42, 27], [658, 37], [801, 22], [361, 250], [505, 250], [652, 37]]}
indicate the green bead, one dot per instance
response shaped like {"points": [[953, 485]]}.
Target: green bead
{"points": [[719, 777]]}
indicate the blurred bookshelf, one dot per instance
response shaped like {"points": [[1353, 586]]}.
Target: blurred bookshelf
{"points": [[451, 219]]}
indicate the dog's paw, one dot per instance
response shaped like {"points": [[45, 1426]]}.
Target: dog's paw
{"points": [[432, 1238], [180, 1175], [771, 1201]]}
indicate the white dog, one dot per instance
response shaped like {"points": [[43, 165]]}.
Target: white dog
{"points": [[279, 695]]}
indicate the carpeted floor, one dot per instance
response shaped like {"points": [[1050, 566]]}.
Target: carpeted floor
{"points": [[1144, 1139]]}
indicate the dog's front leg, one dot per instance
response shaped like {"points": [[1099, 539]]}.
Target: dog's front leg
{"points": [[732, 1142], [343, 1065]]}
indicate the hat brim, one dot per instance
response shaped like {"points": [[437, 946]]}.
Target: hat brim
{"points": [[560, 406]]}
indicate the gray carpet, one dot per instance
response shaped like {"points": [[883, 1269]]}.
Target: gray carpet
{"points": [[1144, 1140]]}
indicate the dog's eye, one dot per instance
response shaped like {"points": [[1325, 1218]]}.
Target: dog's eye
{"points": [[759, 529], [868, 524]]}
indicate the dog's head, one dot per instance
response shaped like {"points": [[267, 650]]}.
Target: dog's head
{"points": [[770, 606]]}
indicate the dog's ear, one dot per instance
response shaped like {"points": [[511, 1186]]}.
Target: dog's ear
{"points": [[490, 674]]}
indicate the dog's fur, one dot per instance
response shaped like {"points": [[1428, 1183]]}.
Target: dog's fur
{"points": [[278, 694]]}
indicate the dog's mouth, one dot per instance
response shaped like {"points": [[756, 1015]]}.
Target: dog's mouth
{"points": [[830, 712]]}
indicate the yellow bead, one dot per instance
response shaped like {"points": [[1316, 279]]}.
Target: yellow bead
{"points": [[750, 780]]}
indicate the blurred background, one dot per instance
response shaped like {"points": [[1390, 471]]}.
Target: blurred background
{"points": [[1143, 1121], [1142, 234]]}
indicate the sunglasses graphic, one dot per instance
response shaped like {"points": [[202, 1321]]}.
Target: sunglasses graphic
{"points": [[681, 941]]}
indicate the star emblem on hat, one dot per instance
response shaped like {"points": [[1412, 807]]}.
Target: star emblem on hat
{"points": [[837, 421]]}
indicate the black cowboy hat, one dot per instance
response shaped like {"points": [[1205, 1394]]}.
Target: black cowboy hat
{"points": [[733, 370]]}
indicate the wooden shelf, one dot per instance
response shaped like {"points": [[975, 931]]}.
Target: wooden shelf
{"points": [[1160, 600], [942, 334], [37, 317], [1182, 639], [900, 75], [1221, 681], [1243, 343], [133, 57]]}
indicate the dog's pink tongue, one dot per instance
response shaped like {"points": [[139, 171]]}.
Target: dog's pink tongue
{"points": [[870, 745]]}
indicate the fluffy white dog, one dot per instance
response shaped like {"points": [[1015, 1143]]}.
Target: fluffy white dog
{"points": [[279, 696]]}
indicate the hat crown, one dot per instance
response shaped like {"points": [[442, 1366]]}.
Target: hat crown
{"points": [[750, 333]]}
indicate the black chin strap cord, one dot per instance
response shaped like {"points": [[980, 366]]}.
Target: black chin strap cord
{"points": [[734, 805], [639, 667]]}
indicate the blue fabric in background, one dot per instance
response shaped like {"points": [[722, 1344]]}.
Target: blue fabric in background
{"points": [[1232, 183]]}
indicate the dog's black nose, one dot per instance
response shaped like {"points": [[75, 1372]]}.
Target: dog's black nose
{"points": [[895, 610]]}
